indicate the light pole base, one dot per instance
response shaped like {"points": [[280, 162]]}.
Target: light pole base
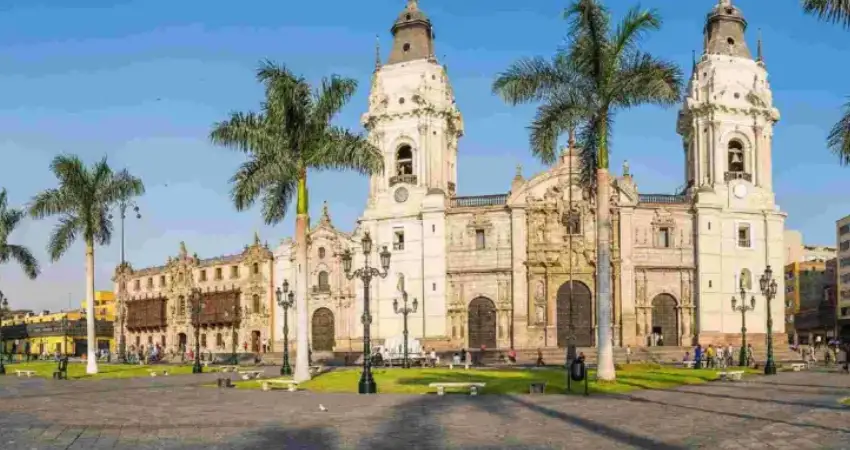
{"points": [[286, 370], [367, 387], [197, 368], [2, 367], [770, 368]]}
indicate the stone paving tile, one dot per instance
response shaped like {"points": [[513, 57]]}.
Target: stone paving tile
{"points": [[796, 410]]}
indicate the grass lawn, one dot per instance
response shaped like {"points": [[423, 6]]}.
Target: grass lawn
{"points": [[503, 381], [77, 370], [845, 401]]}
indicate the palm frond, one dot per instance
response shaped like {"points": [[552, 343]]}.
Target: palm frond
{"points": [[527, 80], [838, 139], [340, 149], [49, 203], [71, 172], [23, 257], [595, 139], [554, 118], [632, 29], [589, 25], [645, 79], [277, 199], [63, 236], [835, 11], [258, 175], [246, 132], [334, 93]]}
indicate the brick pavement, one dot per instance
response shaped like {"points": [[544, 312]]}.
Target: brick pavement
{"points": [[791, 410]]}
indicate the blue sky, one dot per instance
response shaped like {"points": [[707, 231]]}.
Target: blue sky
{"points": [[143, 81]]}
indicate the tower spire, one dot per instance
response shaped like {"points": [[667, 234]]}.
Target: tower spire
{"points": [[412, 5], [377, 52], [760, 56]]}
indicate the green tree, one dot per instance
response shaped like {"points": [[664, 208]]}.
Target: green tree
{"points": [[600, 72], [82, 202], [10, 218], [291, 135], [836, 11]]}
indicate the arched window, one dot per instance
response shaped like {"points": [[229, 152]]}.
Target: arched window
{"points": [[255, 300], [404, 160], [736, 156], [324, 285], [256, 268], [746, 279], [181, 305]]}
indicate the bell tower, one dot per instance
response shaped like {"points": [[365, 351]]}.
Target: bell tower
{"points": [[727, 120], [412, 116]]}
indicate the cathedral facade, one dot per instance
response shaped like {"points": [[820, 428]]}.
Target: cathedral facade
{"points": [[517, 269]]}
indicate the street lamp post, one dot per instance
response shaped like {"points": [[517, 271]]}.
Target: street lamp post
{"points": [[197, 308], [768, 288], [285, 299], [365, 274], [4, 304], [743, 308], [405, 311], [123, 205], [122, 317]]}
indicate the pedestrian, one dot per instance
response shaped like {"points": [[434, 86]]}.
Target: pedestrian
{"points": [[628, 354], [698, 357], [540, 362]]}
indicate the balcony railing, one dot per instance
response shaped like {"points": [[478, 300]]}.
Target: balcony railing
{"points": [[479, 201], [407, 179], [729, 176], [662, 199], [321, 289], [398, 245]]}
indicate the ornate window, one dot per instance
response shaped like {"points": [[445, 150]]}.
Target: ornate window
{"points": [[255, 304], [137, 284], [480, 240], [162, 281], [572, 221], [324, 284], [218, 273], [321, 252], [204, 340], [256, 268], [234, 272], [736, 156], [663, 237], [181, 305], [744, 236], [398, 239], [219, 340], [150, 283], [203, 275], [404, 160]]}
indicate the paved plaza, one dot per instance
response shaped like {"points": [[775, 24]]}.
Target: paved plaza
{"points": [[790, 411]]}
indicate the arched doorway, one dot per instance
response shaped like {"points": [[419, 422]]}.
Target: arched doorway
{"points": [[665, 320], [481, 323], [255, 341], [323, 330], [575, 314], [181, 341]]}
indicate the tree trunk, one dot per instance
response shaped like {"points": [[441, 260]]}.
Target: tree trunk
{"points": [[91, 366], [302, 225], [605, 356]]}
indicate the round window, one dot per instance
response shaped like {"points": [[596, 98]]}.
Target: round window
{"points": [[406, 47], [730, 41]]}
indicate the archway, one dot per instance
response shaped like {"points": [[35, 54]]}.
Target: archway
{"points": [[181, 341], [665, 320], [481, 323], [255, 341], [323, 330], [574, 314]]}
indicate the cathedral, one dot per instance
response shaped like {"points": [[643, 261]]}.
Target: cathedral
{"points": [[517, 269]]}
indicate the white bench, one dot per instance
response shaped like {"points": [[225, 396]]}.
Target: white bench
{"points": [[290, 385], [688, 364], [731, 376], [473, 387], [796, 367], [28, 373], [251, 374], [228, 368], [465, 365], [154, 372]]}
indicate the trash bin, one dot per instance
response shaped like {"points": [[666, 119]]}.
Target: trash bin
{"points": [[537, 388]]}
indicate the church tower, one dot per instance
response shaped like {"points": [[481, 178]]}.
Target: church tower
{"points": [[726, 124], [412, 116]]}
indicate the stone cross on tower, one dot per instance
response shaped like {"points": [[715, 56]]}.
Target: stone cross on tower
{"points": [[412, 5], [725, 3]]}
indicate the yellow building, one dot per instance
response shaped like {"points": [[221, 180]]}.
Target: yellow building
{"points": [[104, 305], [63, 331]]}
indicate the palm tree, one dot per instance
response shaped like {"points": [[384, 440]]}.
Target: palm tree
{"points": [[10, 218], [82, 201], [289, 136], [599, 73], [836, 11]]}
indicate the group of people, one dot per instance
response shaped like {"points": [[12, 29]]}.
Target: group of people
{"points": [[718, 357]]}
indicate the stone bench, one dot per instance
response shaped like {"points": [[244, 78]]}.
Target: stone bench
{"points": [[796, 367], [28, 373], [689, 364], [156, 372], [465, 365], [289, 385], [731, 376], [473, 387], [228, 368], [250, 374]]}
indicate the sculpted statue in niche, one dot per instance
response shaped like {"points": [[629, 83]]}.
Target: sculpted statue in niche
{"points": [[539, 314], [540, 292]]}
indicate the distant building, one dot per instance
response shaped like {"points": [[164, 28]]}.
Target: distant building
{"points": [[842, 227], [796, 251], [63, 331], [810, 300], [104, 305]]}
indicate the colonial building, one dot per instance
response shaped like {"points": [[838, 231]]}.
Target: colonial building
{"points": [[236, 297], [518, 268]]}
